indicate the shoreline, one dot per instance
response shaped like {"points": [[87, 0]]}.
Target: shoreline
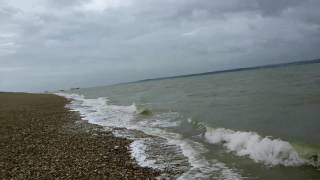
{"points": [[41, 138]]}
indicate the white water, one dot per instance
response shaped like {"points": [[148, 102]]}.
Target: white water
{"points": [[260, 149], [138, 152], [99, 111]]}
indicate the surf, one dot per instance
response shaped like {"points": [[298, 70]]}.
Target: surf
{"points": [[158, 148], [266, 150]]}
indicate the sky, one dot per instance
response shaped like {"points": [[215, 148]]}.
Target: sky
{"points": [[58, 44]]}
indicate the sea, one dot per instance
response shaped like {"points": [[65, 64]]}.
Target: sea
{"points": [[259, 123]]}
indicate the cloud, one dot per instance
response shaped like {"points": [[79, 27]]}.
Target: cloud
{"points": [[10, 69], [96, 42], [101, 5]]}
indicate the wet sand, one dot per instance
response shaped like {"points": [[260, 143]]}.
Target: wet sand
{"points": [[41, 139]]}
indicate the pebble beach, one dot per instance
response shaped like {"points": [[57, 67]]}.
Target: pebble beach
{"points": [[41, 139]]}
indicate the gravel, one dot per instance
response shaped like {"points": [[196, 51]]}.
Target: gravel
{"points": [[41, 139]]}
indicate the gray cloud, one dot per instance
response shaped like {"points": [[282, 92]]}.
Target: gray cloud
{"points": [[52, 44]]}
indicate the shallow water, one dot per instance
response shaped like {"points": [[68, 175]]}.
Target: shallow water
{"points": [[257, 124]]}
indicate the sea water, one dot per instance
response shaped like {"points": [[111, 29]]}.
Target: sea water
{"points": [[255, 124]]}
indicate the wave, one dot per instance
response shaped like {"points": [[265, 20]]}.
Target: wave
{"points": [[267, 150], [162, 150], [99, 111], [260, 149], [144, 111]]}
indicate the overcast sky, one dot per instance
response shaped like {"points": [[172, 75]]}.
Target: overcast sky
{"points": [[54, 44]]}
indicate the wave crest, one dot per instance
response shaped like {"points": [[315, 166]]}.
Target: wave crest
{"points": [[260, 149]]}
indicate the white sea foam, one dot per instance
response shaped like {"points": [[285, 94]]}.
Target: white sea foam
{"points": [[202, 168], [260, 149], [138, 152], [99, 111]]}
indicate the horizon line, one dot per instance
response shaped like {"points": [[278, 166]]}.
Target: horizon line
{"points": [[248, 68]]}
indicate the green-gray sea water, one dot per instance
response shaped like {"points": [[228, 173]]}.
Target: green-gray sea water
{"points": [[255, 124]]}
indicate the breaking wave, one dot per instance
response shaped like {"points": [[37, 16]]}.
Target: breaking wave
{"points": [[260, 149], [162, 150]]}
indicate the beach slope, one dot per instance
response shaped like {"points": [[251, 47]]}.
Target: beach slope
{"points": [[40, 138]]}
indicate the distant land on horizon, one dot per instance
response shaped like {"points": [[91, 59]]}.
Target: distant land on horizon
{"points": [[233, 70], [207, 73]]}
